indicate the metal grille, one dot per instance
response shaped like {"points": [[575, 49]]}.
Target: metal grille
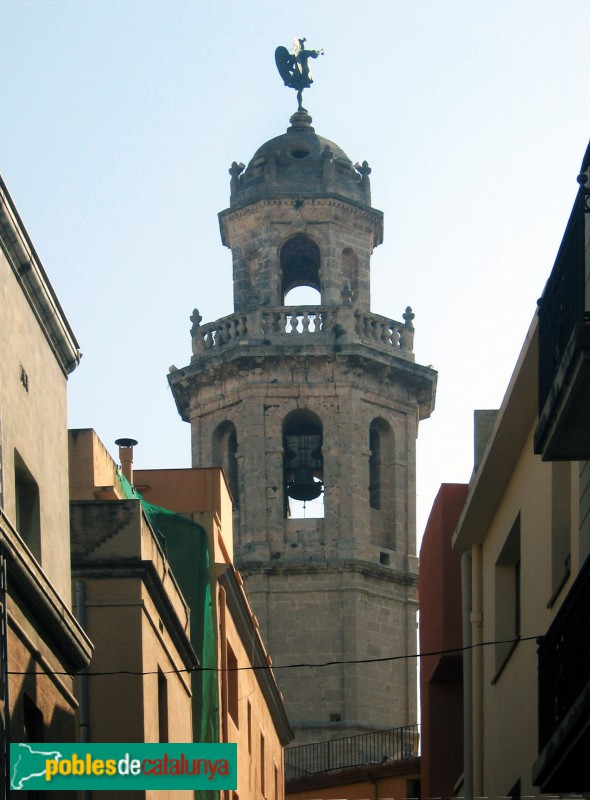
{"points": [[563, 657]]}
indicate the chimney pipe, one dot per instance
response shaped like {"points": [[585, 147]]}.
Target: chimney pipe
{"points": [[126, 457]]}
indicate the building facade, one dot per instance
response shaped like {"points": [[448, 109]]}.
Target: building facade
{"points": [[130, 605], [250, 705], [312, 410], [524, 536], [441, 674], [41, 641]]}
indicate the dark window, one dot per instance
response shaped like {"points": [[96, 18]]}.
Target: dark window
{"points": [[232, 685], [28, 518], [225, 455], [162, 707]]}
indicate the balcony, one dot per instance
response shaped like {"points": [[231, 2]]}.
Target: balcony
{"points": [[377, 747], [302, 326], [564, 344], [564, 695]]}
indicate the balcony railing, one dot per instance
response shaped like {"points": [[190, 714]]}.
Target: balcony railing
{"points": [[563, 658], [377, 747], [562, 305], [307, 323]]}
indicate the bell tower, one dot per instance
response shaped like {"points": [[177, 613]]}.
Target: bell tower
{"points": [[313, 410]]}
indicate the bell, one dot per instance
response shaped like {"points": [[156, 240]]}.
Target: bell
{"points": [[302, 486]]}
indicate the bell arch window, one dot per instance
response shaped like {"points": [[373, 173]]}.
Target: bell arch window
{"points": [[300, 263], [225, 452], [381, 483], [303, 465]]}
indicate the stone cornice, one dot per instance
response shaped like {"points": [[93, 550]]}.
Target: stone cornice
{"points": [[352, 208], [363, 357], [364, 568], [28, 270]]}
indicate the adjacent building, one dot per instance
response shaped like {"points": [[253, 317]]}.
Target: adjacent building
{"points": [[524, 536], [168, 616], [441, 674], [41, 643]]}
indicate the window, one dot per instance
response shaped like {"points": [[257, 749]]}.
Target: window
{"points": [[300, 264], [225, 455], [303, 465], [507, 597], [249, 728], [28, 522], [232, 685], [162, 707], [262, 767], [382, 483]]}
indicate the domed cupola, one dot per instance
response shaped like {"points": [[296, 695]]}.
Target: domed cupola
{"points": [[300, 162], [300, 215]]}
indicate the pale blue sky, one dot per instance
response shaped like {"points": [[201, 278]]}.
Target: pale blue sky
{"points": [[120, 119]]}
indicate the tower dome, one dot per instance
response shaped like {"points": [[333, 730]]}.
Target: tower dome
{"points": [[300, 161]]}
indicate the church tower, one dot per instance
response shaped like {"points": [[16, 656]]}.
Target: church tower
{"points": [[313, 410]]}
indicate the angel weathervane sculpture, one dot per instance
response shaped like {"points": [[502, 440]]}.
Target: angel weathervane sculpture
{"points": [[294, 69]]}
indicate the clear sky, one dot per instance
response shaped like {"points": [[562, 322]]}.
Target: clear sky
{"points": [[120, 119]]}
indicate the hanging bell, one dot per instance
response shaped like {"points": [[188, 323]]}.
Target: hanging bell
{"points": [[303, 486]]}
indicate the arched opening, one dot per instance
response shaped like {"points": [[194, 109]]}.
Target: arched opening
{"points": [[225, 452], [381, 483], [303, 465], [300, 264]]}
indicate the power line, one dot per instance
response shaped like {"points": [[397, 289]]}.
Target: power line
{"points": [[275, 667]]}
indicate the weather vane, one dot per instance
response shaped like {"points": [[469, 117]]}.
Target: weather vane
{"points": [[294, 69]]}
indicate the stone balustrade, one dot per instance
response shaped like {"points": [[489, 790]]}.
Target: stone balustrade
{"points": [[273, 324]]}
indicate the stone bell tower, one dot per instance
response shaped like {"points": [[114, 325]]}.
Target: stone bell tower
{"points": [[315, 406]]}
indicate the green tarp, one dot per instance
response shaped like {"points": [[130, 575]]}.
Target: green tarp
{"points": [[185, 545]]}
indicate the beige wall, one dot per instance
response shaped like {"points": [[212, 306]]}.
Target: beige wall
{"points": [[34, 424], [514, 490], [37, 351], [246, 718]]}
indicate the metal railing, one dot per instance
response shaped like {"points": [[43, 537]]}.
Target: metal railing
{"points": [[563, 657], [376, 747], [562, 305]]}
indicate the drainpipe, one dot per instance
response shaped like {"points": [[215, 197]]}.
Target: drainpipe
{"points": [[467, 676], [477, 667], [83, 675], [126, 457]]}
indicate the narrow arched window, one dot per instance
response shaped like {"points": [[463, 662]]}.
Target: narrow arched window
{"points": [[300, 263], [225, 452], [382, 483], [303, 465], [375, 466]]}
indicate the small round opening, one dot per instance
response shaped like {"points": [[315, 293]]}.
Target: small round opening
{"points": [[300, 153]]}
